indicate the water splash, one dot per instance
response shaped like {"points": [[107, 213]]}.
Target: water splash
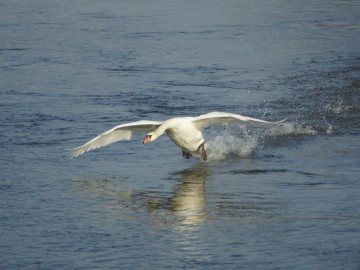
{"points": [[243, 141], [243, 144], [291, 129], [337, 107]]}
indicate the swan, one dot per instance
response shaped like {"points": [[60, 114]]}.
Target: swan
{"points": [[185, 132]]}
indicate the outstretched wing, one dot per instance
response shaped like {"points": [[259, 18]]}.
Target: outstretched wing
{"points": [[118, 133], [220, 118]]}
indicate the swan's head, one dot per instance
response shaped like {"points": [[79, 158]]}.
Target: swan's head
{"points": [[150, 137]]}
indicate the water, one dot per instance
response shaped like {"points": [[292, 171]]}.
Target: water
{"points": [[266, 199]]}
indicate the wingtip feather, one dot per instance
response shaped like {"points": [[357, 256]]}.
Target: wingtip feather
{"points": [[73, 152]]}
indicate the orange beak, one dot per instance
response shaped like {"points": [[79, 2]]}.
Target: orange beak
{"points": [[147, 139]]}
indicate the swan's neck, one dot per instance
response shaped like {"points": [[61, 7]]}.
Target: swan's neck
{"points": [[159, 131]]}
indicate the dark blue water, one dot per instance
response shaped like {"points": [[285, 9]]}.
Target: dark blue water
{"points": [[266, 199]]}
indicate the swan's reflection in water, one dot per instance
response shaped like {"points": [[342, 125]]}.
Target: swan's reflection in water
{"points": [[183, 208], [188, 202]]}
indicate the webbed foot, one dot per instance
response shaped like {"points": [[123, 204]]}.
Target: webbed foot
{"points": [[186, 155], [203, 152]]}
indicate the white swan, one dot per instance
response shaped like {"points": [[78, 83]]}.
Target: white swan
{"points": [[185, 132]]}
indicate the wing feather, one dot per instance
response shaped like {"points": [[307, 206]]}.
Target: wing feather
{"points": [[220, 118], [117, 133]]}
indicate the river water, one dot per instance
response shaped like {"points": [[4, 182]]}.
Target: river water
{"points": [[266, 199]]}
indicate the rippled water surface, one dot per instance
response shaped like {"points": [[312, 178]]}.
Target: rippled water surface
{"points": [[266, 199]]}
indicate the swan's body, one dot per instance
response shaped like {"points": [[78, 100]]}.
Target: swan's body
{"points": [[185, 132]]}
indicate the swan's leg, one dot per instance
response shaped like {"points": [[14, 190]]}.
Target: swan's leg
{"points": [[185, 154], [203, 152]]}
